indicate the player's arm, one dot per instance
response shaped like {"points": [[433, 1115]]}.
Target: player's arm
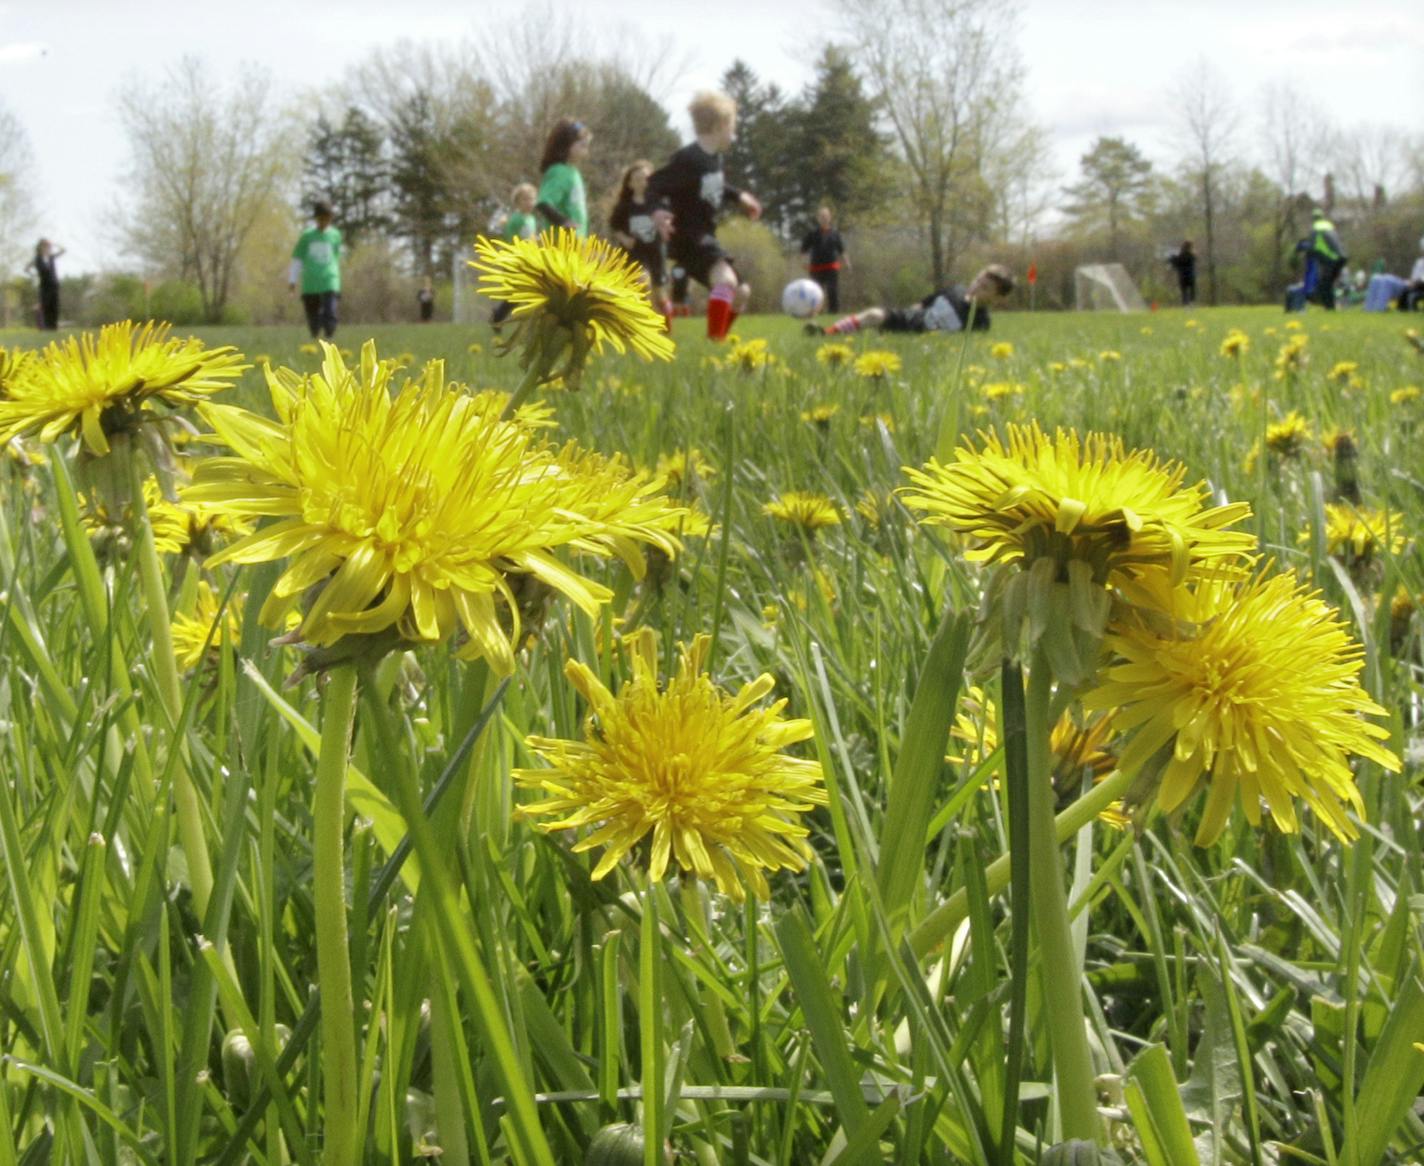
{"points": [[294, 270], [553, 216]]}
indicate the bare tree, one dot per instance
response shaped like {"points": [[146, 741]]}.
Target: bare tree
{"points": [[1207, 123], [947, 75], [17, 206], [1295, 139], [206, 163]]}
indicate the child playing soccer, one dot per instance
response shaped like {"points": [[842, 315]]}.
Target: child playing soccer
{"points": [[950, 309], [562, 201], [520, 223], [692, 188], [316, 264], [633, 226]]}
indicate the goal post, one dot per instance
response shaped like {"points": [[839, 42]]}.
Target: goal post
{"points": [[1099, 287]]}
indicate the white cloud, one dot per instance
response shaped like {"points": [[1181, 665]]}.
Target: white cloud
{"points": [[23, 51]]}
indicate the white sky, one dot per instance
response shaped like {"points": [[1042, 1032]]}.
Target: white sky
{"points": [[1093, 66]]}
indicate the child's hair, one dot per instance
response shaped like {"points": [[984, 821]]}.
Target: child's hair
{"points": [[1001, 277], [625, 184], [561, 140], [321, 209], [711, 110], [523, 188]]}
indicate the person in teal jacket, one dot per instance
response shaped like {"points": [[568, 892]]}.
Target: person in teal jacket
{"points": [[316, 267], [562, 201], [1329, 253]]}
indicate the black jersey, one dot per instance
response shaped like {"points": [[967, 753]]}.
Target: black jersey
{"points": [[823, 249], [948, 309], [694, 188], [634, 218]]}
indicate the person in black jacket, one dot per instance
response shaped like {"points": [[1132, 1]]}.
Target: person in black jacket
{"points": [[690, 191], [950, 309], [1185, 263], [634, 227], [43, 263], [825, 256]]}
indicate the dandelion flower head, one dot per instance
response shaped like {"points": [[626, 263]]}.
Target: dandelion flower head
{"points": [[804, 508], [700, 770]]}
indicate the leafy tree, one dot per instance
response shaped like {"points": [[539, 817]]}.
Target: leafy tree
{"points": [[1115, 188], [16, 196], [1206, 126], [765, 157], [346, 165], [418, 179]]}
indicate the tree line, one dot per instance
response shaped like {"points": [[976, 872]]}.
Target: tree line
{"points": [[912, 127]]}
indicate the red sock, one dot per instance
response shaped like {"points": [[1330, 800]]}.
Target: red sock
{"points": [[667, 318], [719, 311], [845, 325]]}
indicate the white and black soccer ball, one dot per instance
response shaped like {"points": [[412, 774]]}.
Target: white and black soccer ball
{"points": [[802, 298]]}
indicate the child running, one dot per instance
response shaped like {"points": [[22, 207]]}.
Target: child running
{"points": [[562, 201], [520, 223], [692, 187], [316, 267], [950, 309], [635, 230]]}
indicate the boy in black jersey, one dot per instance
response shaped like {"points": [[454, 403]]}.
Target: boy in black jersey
{"points": [[692, 190], [950, 309], [636, 231]]}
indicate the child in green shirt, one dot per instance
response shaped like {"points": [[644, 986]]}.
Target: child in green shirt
{"points": [[520, 223], [562, 201], [316, 265]]}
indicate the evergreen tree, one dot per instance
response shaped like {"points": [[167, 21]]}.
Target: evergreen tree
{"points": [[346, 165], [1115, 189], [764, 158], [842, 156], [418, 179]]}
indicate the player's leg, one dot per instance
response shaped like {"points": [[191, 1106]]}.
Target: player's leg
{"points": [[869, 318], [311, 304]]}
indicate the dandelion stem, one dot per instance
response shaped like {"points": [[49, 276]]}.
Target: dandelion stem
{"points": [[944, 919], [1059, 974], [188, 806], [537, 371], [333, 953]]}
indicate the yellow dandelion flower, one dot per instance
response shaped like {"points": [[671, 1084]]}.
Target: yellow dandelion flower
{"points": [[411, 512], [1334, 438], [572, 295], [1001, 350], [805, 509], [835, 355], [191, 632], [820, 414], [1254, 687], [1270, 332], [310, 349], [1110, 356], [749, 356], [1146, 330], [1405, 395], [877, 365], [1343, 370], [1236, 344], [1068, 498], [24, 454], [698, 769], [1078, 362], [475, 348], [675, 467], [1356, 534], [109, 384], [1057, 367], [871, 420], [1191, 324], [874, 506], [1289, 437], [1294, 325], [998, 390]]}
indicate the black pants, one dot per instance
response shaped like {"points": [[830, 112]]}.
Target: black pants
{"points": [[502, 308], [830, 282], [1189, 291], [321, 312], [49, 308]]}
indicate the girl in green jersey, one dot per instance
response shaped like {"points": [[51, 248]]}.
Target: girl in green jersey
{"points": [[562, 200]]}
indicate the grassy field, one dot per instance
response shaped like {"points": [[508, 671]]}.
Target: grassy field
{"points": [[1255, 1000]]}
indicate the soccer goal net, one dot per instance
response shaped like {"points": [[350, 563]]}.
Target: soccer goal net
{"points": [[1106, 287]]}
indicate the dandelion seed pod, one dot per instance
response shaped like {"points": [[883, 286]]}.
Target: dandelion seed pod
{"points": [[619, 1144], [1078, 1153]]}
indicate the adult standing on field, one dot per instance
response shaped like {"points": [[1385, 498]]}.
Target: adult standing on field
{"points": [[43, 263], [1330, 258], [1185, 264], [825, 256], [562, 200], [316, 266]]}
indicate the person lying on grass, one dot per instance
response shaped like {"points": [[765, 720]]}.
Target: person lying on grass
{"points": [[950, 309]]}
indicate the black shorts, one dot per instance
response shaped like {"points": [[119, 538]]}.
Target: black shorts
{"points": [[904, 320], [650, 258], [698, 256]]}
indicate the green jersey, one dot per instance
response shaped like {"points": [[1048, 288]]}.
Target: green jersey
{"points": [[562, 189], [319, 253], [519, 226]]}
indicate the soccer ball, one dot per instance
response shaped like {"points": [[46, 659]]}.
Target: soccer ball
{"points": [[802, 298]]}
